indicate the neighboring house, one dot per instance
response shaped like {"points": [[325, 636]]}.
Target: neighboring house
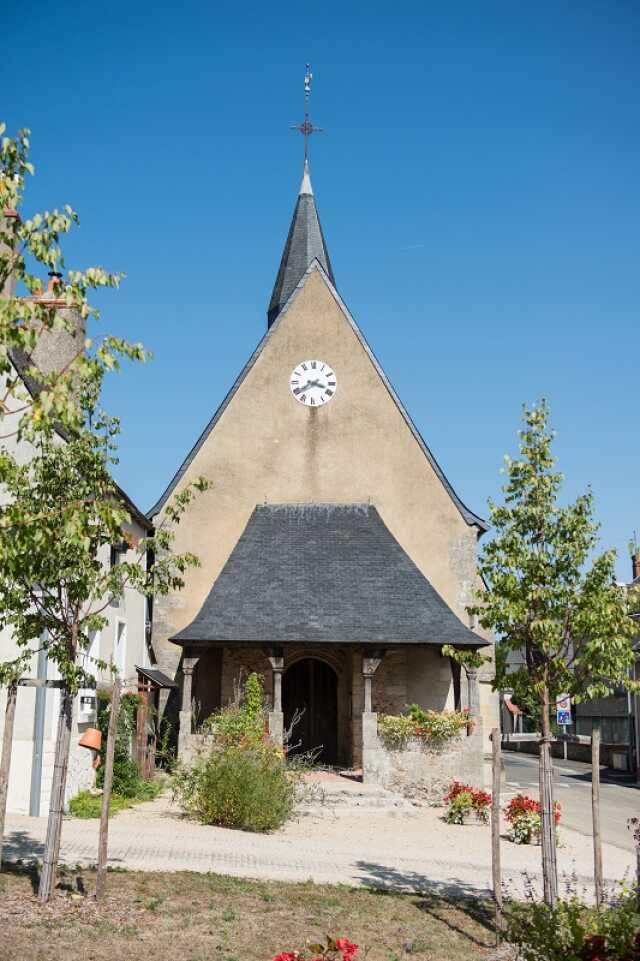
{"points": [[124, 639], [336, 558]]}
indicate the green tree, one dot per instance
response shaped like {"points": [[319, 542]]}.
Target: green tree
{"points": [[60, 509], [550, 599]]}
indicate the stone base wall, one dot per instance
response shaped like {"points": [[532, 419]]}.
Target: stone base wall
{"points": [[420, 771]]}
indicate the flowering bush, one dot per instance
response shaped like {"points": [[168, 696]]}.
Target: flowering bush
{"points": [[461, 799], [523, 816], [336, 949], [397, 729]]}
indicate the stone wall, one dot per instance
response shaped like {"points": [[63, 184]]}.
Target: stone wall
{"points": [[420, 770]]}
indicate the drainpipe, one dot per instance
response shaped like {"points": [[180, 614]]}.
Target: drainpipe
{"points": [[38, 737]]}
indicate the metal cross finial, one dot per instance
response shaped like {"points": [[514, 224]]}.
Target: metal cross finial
{"points": [[306, 128]]}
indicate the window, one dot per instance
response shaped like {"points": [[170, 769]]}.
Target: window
{"points": [[92, 652], [120, 648]]}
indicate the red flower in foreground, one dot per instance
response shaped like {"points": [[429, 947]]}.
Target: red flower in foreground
{"points": [[347, 948], [286, 956]]}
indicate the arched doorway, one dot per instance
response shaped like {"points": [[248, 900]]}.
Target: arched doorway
{"points": [[311, 686]]}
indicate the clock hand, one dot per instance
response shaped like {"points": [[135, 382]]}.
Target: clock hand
{"points": [[301, 390]]}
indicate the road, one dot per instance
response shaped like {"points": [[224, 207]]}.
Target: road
{"points": [[619, 800]]}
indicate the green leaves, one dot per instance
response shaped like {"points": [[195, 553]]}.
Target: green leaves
{"points": [[546, 597], [60, 510]]}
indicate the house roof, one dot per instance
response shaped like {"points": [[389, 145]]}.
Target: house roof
{"points": [[23, 363], [156, 677], [305, 243], [472, 519], [330, 573]]}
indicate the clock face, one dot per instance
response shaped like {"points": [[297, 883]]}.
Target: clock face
{"points": [[313, 383]]}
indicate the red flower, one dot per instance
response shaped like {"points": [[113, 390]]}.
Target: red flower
{"points": [[287, 956], [347, 948], [521, 804]]}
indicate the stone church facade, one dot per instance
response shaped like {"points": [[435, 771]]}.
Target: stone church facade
{"points": [[335, 557]]}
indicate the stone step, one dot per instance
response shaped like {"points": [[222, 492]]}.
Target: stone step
{"points": [[405, 810], [335, 800]]}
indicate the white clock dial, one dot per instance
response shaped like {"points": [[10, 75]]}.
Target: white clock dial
{"points": [[313, 383]]}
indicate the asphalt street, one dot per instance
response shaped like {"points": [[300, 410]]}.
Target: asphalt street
{"points": [[619, 798]]}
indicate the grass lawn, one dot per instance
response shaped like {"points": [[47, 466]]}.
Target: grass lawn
{"points": [[206, 917]]}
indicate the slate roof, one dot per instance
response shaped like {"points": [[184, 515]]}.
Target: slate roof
{"points": [[305, 243], [23, 363], [326, 573], [156, 677]]}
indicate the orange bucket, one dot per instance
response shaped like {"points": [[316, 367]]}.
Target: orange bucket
{"points": [[92, 738]]}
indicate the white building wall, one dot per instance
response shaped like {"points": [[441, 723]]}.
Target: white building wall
{"points": [[131, 611]]}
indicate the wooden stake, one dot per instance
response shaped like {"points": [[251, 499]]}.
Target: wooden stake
{"points": [[103, 838], [56, 806], [495, 829], [548, 824], [595, 812], [5, 763]]}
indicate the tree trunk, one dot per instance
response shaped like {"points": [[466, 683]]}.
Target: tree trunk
{"points": [[56, 806], [595, 812], [103, 840], [5, 763], [548, 827], [495, 829]]}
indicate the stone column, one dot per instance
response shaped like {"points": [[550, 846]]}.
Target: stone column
{"points": [[476, 738], [370, 664], [276, 716], [186, 709]]}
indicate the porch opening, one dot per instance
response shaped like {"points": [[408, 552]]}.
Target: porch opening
{"points": [[311, 686]]}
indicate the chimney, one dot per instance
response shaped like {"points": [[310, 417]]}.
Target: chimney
{"points": [[635, 566], [54, 277]]}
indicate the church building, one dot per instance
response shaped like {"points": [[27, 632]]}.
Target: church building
{"points": [[335, 557]]}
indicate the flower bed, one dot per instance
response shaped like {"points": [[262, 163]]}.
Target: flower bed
{"points": [[464, 802], [523, 816], [335, 949], [397, 729]]}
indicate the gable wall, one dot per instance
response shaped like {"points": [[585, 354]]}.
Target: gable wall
{"points": [[266, 447]]}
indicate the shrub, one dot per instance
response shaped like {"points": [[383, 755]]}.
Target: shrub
{"points": [[574, 931], [126, 780], [238, 786], [461, 799], [243, 722], [523, 816], [87, 805], [437, 726]]}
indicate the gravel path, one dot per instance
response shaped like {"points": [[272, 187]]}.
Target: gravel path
{"points": [[420, 852]]}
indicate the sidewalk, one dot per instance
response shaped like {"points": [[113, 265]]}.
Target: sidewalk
{"points": [[420, 852]]}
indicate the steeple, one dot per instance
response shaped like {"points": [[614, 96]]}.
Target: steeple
{"points": [[305, 243]]}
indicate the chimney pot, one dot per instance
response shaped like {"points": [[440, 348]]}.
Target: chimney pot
{"points": [[54, 277]]}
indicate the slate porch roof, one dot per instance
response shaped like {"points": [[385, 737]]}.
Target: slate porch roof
{"points": [[323, 573]]}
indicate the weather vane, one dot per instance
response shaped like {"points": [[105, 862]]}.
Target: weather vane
{"points": [[306, 128]]}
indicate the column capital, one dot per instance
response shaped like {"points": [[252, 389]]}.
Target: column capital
{"points": [[370, 664]]}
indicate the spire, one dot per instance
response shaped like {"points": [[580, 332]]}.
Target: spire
{"points": [[305, 242]]}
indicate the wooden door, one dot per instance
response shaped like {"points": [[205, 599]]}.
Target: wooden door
{"points": [[311, 687]]}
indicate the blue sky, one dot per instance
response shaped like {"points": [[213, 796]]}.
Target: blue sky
{"points": [[478, 182]]}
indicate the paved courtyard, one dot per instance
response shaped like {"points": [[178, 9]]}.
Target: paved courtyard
{"points": [[418, 852]]}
